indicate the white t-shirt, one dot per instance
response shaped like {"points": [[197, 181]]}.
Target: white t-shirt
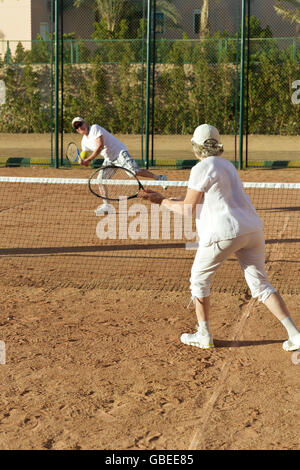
{"points": [[227, 211], [112, 146]]}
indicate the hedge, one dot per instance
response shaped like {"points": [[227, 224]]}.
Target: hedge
{"points": [[185, 95]]}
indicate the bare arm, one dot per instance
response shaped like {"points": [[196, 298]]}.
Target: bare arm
{"points": [[186, 206]]}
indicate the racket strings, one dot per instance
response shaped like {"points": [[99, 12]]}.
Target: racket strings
{"points": [[114, 184], [72, 152]]}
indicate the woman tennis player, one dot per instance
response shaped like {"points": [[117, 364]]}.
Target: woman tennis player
{"points": [[98, 140], [226, 224]]}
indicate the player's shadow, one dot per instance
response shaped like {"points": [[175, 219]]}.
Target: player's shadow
{"points": [[220, 343]]}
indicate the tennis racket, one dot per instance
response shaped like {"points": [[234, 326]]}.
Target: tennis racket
{"points": [[114, 183], [72, 153]]}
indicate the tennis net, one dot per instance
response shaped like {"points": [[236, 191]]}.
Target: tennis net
{"points": [[51, 238]]}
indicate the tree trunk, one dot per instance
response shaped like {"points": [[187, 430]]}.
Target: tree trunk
{"points": [[204, 21]]}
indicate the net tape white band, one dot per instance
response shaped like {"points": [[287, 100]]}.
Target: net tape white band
{"points": [[21, 179]]}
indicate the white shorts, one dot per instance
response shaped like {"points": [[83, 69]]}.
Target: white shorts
{"points": [[125, 160], [250, 252]]}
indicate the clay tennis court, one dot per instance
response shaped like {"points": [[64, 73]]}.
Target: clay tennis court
{"points": [[92, 328]]}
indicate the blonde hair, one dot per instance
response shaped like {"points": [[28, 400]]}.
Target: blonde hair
{"points": [[210, 148]]}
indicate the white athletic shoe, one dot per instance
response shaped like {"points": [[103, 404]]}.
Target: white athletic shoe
{"points": [[104, 209], [292, 344], [198, 340], [164, 179]]}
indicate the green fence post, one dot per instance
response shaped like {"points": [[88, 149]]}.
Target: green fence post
{"points": [[153, 81], [242, 71], [142, 80], [247, 80], [71, 52], [220, 49], [236, 98], [56, 83], [77, 52], [51, 82], [148, 80], [226, 45], [61, 83]]}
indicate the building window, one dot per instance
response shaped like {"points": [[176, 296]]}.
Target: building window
{"points": [[44, 30], [197, 21], [159, 22]]}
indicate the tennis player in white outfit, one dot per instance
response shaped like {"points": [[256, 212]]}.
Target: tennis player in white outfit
{"points": [[98, 140], [227, 224]]}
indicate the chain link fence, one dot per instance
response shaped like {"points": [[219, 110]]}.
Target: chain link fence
{"points": [[195, 51], [272, 110]]}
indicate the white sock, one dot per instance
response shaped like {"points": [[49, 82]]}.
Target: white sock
{"points": [[290, 326], [203, 328]]}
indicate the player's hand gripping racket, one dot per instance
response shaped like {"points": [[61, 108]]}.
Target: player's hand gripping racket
{"points": [[114, 182], [72, 153]]}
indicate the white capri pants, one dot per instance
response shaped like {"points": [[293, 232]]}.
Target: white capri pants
{"points": [[250, 252]]}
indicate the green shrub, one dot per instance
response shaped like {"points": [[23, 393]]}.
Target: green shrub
{"points": [[185, 95]]}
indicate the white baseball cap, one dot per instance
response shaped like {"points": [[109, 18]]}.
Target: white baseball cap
{"points": [[205, 132], [77, 119]]}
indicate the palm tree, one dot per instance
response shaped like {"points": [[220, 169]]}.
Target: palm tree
{"points": [[204, 20], [169, 10], [112, 11], [286, 13], [109, 10]]}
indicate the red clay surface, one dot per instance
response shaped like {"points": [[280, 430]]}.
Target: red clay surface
{"points": [[92, 328]]}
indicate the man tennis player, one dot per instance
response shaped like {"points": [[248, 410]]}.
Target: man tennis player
{"points": [[98, 140], [227, 224]]}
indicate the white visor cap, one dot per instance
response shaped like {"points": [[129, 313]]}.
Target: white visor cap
{"points": [[205, 132], [77, 119]]}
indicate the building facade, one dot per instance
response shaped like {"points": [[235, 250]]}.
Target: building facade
{"points": [[23, 20], [224, 15]]}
